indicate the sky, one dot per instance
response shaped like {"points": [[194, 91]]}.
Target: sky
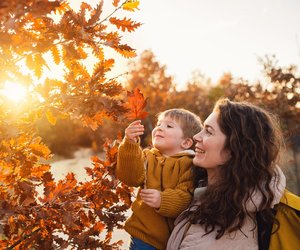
{"points": [[216, 36]]}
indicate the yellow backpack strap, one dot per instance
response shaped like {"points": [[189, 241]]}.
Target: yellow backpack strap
{"points": [[287, 213], [291, 200]]}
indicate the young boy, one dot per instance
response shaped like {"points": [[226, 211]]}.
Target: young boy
{"points": [[163, 172]]}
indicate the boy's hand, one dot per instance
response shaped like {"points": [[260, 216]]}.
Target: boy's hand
{"points": [[151, 197], [134, 130]]}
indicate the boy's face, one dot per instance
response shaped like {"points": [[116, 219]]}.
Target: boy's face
{"points": [[167, 136]]}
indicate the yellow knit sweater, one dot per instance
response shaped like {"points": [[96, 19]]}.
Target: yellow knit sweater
{"points": [[171, 175]]}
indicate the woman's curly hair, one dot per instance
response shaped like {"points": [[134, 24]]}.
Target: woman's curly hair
{"points": [[254, 139]]}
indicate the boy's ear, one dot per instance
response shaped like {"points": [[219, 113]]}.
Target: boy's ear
{"points": [[187, 143]]}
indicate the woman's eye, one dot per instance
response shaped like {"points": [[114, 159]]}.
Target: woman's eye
{"points": [[208, 132], [169, 126]]}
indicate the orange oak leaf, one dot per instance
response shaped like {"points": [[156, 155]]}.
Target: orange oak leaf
{"points": [[136, 105], [99, 226], [116, 3], [62, 8], [125, 51], [124, 24]]}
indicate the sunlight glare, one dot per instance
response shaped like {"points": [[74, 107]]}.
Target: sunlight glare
{"points": [[13, 91]]}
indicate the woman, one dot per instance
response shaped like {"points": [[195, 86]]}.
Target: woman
{"points": [[236, 176]]}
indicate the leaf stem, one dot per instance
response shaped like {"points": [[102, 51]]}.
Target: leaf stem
{"points": [[24, 238], [113, 12]]}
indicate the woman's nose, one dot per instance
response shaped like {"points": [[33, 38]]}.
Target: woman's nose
{"points": [[197, 137]]}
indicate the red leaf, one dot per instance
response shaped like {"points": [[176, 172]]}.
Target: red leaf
{"points": [[136, 105]]}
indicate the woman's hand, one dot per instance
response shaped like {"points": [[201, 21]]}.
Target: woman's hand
{"points": [[134, 130], [151, 197]]}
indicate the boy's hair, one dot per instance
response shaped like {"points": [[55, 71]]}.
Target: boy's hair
{"points": [[189, 122]]}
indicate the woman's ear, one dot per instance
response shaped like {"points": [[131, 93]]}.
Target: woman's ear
{"points": [[187, 143]]}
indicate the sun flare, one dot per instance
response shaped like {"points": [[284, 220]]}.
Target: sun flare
{"points": [[13, 91]]}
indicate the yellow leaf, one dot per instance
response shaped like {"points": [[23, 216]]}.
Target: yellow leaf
{"points": [[39, 113], [29, 61], [39, 61], [99, 53], [50, 117], [55, 54], [131, 5], [12, 223], [82, 53], [64, 7], [40, 150], [64, 116], [89, 122], [38, 170]]}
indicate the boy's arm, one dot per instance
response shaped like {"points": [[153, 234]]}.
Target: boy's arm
{"points": [[130, 163], [174, 201]]}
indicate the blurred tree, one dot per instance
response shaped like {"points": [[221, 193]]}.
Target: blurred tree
{"points": [[282, 97], [66, 136], [195, 96], [282, 94]]}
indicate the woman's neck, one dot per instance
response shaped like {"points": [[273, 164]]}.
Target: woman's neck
{"points": [[211, 176]]}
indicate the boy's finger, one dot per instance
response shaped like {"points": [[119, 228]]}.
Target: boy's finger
{"points": [[148, 201], [148, 191], [146, 196], [135, 129], [136, 134], [135, 122]]}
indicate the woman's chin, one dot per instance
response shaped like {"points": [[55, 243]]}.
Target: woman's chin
{"points": [[197, 162]]}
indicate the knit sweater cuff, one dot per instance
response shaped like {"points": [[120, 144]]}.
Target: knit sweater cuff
{"points": [[132, 147], [168, 207]]}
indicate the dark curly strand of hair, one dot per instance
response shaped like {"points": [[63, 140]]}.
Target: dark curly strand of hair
{"points": [[254, 139]]}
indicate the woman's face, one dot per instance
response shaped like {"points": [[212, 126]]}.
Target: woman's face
{"points": [[210, 141]]}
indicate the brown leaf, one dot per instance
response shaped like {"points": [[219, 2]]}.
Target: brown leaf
{"points": [[84, 219], [96, 14]]}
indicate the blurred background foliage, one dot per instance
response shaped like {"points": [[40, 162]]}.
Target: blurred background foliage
{"points": [[278, 93]]}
